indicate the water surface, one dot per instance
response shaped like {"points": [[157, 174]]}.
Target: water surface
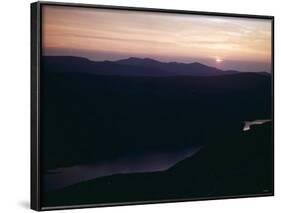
{"points": [[248, 124], [150, 162]]}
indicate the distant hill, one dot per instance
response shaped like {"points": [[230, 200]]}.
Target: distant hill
{"points": [[131, 67], [175, 68]]}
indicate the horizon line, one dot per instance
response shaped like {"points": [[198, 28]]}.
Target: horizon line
{"points": [[153, 59]]}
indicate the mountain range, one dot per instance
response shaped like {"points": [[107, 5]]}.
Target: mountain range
{"points": [[96, 112], [133, 67]]}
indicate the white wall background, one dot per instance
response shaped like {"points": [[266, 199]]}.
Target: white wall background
{"points": [[15, 106]]}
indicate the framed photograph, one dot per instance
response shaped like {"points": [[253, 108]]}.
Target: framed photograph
{"points": [[140, 105]]}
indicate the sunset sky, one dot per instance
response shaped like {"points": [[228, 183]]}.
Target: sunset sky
{"points": [[98, 34]]}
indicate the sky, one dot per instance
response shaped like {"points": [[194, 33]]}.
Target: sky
{"points": [[101, 34]]}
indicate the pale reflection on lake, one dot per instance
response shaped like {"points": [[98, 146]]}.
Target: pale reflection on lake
{"points": [[151, 162], [248, 124]]}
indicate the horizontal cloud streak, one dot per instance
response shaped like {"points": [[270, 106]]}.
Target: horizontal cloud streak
{"points": [[157, 35]]}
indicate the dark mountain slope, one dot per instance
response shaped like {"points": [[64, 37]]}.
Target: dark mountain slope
{"points": [[86, 113], [236, 164], [88, 117]]}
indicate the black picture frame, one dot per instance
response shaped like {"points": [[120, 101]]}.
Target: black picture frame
{"points": [[36, 55]]}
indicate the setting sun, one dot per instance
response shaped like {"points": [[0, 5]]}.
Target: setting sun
{"points": [[218, 60], [105, 35]]}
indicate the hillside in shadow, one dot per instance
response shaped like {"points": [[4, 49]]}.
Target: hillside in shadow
{"points": [[236, 165], [94, 112]]}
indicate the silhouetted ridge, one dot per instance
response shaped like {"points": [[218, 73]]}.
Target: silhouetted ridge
{"points": [[131, 67], [137, 61]]}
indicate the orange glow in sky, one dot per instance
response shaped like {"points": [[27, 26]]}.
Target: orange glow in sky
{"points": [[120, 34]]}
